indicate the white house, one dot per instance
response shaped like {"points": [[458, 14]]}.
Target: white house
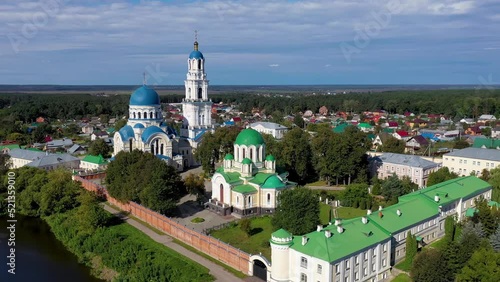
{"points": [[271, 128], [43, 160], [91, 162], [471, 160]]}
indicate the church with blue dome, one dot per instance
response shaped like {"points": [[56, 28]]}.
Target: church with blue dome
{"points": [[146, 130]]}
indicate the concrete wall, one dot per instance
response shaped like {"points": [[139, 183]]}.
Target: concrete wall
{"points": [[221, 251]]}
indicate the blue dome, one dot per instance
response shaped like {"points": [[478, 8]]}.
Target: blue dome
{"points": [[126, 133], [196, 55], [139, 125], [144, 96], [150, 131]]}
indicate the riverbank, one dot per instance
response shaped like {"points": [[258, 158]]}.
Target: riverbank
{"points": [[119, 252]]}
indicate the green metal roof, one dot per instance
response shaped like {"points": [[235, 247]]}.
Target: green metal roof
{"points": [[10, 147], [244, 189], [470, 212], [273, 182], [260, 178], [365, 125], [247, 161], [282, 233], [356, 236], [270, 158], [412, 212], [249, 137], [230, 177], [94, 159], [229, 157], [341, 128], [489, 143], [452, 190]]}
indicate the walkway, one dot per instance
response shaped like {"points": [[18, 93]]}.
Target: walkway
{"points": [[216, 270]]}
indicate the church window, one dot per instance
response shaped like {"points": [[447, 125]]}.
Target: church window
{"points": [[303, 277], [249, 201], [237, 199], [161, 149], [243, 154], [145, 115], [251, 153], [130, 145], [189, 93], [199, 64], [268, 198], [134, 115], [139, 115], [200, 93], [151, 115], [152, 149]]}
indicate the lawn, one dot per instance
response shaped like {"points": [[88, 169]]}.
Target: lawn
{"points": [[257, 242], [438, 244], [317, 183], [402, 278], [348, 212], [405, 265]]}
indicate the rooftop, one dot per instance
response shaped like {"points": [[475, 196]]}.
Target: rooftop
{"points": [[244, 189], [476, 153], [402, 159], [268, 125]]}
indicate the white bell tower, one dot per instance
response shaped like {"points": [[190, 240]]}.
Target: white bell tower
{"points": [[196, 107]]}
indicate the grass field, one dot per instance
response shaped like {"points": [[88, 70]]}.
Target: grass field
{"points": [[404, 265], [342, 212], [402, 278], [257, 242]]}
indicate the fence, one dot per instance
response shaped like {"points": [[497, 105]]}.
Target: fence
{"points": [[216, 249]]}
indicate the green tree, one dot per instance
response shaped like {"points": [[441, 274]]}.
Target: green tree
{"points": [[485, 216], [297, 211], [495, 239], [376, 186], [430, 266], [245, 225], [484, 265], [90, 214], [393, 145], [298, 121], [4, 163], [59, 193], [296, 154], [460, 144], [392, 188], [449, 229], [355, 195], [440, 175], [99, 147], [494, 180], [195, 184], [411, 247]]}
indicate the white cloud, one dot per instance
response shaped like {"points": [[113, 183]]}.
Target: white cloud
{"points": [[274, 65]]}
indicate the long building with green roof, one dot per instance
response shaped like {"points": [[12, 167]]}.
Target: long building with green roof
{"points": [[248, 182], [365, 248]]}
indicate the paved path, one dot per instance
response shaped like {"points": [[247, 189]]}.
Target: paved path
{"points": [[216, 270]]}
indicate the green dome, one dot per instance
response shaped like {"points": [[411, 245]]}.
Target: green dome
{"points": [[270, 158], [273, 181], [282, 234], [249, 137], [247, 161], [229, 157]]}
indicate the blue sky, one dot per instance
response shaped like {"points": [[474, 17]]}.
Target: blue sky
{"points": [[251, 42]]}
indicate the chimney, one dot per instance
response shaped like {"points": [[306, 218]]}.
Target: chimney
{"points": [[364, 219], [436, 198], [340, 229], [380, 208], [304, 240], [398, 212], [368, 212], [337, 222], [319, 227], [328, 233]]}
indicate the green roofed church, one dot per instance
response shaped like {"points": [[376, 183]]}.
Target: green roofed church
{"points": [[248, 182], [366, 248]]}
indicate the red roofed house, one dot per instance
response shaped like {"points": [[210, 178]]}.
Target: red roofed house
{"points": [[401, 135]]}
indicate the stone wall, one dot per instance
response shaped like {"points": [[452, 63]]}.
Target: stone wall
{"points": [[221, 251]]}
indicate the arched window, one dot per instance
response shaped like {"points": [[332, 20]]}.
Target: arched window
{"points": [[249, 201], [161, 149], [139, 115], [251, 154], [145, 115], [244, 155], [130, 145], [268, 197], [134, 115], [200, 93], [199, 64], [189, 93], [238, 200], [151, 115]]}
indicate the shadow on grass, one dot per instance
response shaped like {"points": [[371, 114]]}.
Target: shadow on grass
{"points": [[255, 231]]}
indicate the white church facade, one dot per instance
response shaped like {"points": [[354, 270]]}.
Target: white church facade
{"points": [[146, 130], [248, 183]]}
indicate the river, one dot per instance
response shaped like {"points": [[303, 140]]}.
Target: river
{"points": [[40, 257]]}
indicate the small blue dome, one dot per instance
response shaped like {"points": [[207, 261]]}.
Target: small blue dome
{"points": [[144, 96], [126, 133], [139, 125], [150, 131], [196, 55]]}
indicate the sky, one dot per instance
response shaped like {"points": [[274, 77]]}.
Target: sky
{"points": [[258, 42]]}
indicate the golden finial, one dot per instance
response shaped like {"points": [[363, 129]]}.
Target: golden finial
{"points": [[196, 40]]}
